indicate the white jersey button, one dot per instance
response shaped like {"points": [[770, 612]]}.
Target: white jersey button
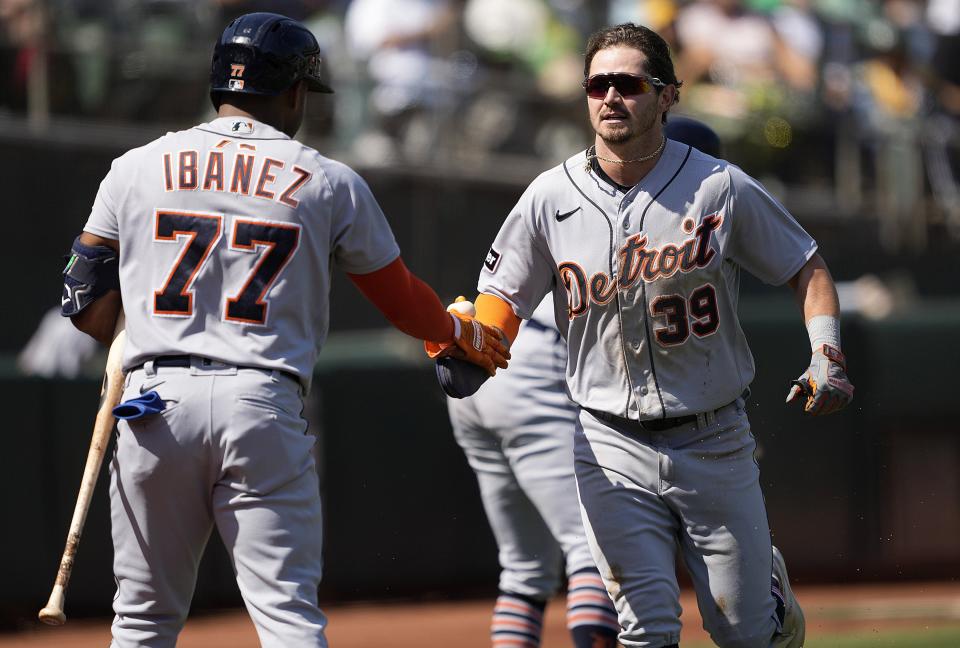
{"points": [[626, 223]]}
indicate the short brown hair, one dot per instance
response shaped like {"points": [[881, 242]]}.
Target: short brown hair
{"points": [[646, 40]]}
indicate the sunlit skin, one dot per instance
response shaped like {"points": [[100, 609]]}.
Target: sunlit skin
{"points": [[627, 127], [283, 111]]}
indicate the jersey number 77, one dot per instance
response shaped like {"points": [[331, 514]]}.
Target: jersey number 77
{"points": [[203, 231]]}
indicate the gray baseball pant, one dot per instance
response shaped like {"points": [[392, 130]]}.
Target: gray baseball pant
{"points": [[231, 451], [693, 488]]}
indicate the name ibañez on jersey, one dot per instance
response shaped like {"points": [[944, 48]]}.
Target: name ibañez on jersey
{"points": [[640, 262], [241, 172]]}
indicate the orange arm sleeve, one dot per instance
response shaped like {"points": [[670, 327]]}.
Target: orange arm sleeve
{"points": [[406, 301], [496, 312]]}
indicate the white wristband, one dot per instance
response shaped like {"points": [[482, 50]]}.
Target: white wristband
{"points": [[456, 326], [824, 329]]}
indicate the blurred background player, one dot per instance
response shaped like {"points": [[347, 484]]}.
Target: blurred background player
{"points": [[517, 433]]}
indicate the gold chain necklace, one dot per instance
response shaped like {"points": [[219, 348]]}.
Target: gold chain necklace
{"points": [[591, 156]]}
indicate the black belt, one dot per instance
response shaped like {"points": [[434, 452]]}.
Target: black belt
{"points": [[654, 425], [187, 361], [651, 425]]}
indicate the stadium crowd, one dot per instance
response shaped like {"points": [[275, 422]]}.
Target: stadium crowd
{"points": [[852, 93]]}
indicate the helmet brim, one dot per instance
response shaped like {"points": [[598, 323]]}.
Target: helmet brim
{"points": [[316, 85]]}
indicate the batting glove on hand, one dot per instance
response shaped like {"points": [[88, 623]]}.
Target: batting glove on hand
{"points": [[474, 341], [824, 383]]}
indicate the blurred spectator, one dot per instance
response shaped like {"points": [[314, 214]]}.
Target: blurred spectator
{"points": [[22, 25], [795, 23], [296, 9], [750, 71], [865, 93], [532, 100], [84, 29], [942, 130], [888, 100], [161, 71], [943, 17], [401, 44], [726, 42], [28, 58], [527, 33], [56, 349], [658, 15]]}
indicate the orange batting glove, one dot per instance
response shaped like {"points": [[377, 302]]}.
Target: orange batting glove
{"points": [[473, 341]]}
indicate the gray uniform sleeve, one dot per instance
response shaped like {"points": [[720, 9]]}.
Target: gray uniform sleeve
{"points": [[362, 239], [765, 239], [517, 268], [103, 215]]}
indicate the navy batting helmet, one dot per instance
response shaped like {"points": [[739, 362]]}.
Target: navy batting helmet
{"points": [[265, 54], [693, 132]]}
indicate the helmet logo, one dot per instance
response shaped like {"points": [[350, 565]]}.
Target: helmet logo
{"points": [[236, 69], [235, 84]]}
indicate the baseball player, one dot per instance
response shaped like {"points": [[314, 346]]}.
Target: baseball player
{"points": [[640, 240], [517, 434], [220, 239]]}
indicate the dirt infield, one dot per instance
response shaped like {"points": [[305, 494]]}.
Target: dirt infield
{"points": [[830, 611]]}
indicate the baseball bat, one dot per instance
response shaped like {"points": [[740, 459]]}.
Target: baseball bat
{"points": [[110, 393]]}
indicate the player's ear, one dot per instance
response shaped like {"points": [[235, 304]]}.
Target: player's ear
{"points": [[668, 97]]}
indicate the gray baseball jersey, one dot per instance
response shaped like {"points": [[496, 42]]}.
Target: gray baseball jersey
{"points": [[214, 223], [227, 233], [645, 283]]}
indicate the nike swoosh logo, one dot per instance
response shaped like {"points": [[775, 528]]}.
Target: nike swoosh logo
{"points": [[565, 215]]}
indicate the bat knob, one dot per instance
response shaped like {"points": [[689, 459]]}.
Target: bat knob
{"points": [[52, 616], [52, 613]]}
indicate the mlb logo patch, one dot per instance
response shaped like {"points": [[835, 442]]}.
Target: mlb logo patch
{"points": [[241, 126], [235, 84], [492, 260]]}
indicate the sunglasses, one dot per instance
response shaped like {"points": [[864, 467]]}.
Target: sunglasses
{"points": [[625, 84]]}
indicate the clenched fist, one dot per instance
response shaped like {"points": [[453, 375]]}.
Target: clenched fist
{"points": [[824, 383]]}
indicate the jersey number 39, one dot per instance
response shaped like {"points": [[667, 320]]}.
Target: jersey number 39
{"points": [[701, 307], [202, 231]]}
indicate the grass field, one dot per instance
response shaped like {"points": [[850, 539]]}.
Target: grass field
{"points": [[919, 638]]}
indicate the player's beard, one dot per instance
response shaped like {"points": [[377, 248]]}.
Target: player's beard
{"points": [[635, 127]]}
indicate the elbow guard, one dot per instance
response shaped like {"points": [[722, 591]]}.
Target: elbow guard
{"points": [[91, 271]]}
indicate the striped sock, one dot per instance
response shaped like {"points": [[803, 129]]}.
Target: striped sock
{"points": [[781, 608], [591, 617], [517, 621]]}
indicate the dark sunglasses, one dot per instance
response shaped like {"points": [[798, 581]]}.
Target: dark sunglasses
{"points": [[625, 84]]}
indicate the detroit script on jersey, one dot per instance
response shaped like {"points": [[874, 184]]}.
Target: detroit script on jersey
{"points": [[645, 284], [227, 233]]}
